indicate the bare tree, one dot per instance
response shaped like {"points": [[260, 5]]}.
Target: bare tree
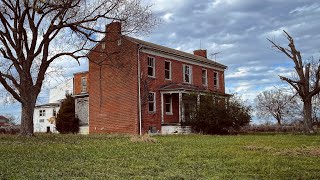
{"points": [[36, 33], [277, 104], [305, 84]]}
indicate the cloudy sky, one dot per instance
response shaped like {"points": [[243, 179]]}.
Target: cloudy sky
{"points": [[238, 30]]}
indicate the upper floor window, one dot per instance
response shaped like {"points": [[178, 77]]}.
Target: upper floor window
{"points": [[151, 67], [167, 70], [152, 102], [42, 113], [54, 112], [216, 80], [83, 84], [204, 77], [187, 74]]}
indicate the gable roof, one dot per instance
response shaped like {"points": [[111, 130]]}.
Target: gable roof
{"points": [[175, 52]]}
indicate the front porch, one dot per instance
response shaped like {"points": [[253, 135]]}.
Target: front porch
{"points": [[177, 104]]}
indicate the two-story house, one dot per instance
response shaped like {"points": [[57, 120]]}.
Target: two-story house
{"points": [[44, 114], [138, 87]]}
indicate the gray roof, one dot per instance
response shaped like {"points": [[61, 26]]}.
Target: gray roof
{"points": [[175, 52], [49, 105]]}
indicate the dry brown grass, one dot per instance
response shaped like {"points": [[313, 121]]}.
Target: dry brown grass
{"points": [[146, 138], [308, 151], [301, 151]]}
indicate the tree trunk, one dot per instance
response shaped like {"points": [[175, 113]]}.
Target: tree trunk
{"points": [[307, 111], [26, 128]]}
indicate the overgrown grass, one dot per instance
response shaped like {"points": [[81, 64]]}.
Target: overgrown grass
{"points": [[169, 157]]}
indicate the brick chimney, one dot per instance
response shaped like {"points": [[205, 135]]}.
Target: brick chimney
{"points": [[200, 52], [114, 27]]}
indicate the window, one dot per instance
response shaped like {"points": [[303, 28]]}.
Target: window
{"points": [[67, 92], [54, 112], [41, 120], [152, 102], [168, 103], [216, 80], [83, 84], [204, 77], [167, 70], [187, 74], [151, 67], [42, 113]]}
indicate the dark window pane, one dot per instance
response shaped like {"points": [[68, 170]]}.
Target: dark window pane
{"points": [[150, 71], [151, 107], [168, 108], [167, 65], [167, 74]]}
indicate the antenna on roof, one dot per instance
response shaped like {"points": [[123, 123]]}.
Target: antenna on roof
{"points": [[200, 44], [215, 55]]}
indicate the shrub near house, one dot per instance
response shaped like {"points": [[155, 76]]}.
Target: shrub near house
{"points": [[216, 116], [66, 120]]}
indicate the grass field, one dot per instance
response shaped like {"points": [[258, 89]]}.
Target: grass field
{"points": [[170, 157]]}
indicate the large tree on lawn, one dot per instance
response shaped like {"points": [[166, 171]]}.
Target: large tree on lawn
{"points": [[306, 79], [35, 33]]}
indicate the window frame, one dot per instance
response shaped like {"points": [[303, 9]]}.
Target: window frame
{"points": [[206, 77], [154, 103], [83, 90], [42, 113], [184, 73], [153, 68], [54, 112], [170, 104], [170, 70], [216, 80]]}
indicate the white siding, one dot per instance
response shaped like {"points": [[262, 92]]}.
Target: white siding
{"points": [[42, 126], [59, 92]]}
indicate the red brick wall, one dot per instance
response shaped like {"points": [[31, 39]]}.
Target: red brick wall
{"points": [[113, 106], [77, 88], [154, 84]]}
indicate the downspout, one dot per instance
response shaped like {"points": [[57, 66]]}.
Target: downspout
{"points": [[139, 91]]}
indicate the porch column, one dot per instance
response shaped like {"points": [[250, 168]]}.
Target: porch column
{"points": [[198, 100], [180, 107], [162, 114]]}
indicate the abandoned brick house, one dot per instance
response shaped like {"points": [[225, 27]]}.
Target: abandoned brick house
{"points": [[138, 87]]}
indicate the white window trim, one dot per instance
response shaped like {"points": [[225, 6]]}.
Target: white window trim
{"points": [[82, 89], [216, 85], [154, 67], [170, 70], [206, 83], [165, 103], [190, 73], [154, 103]]}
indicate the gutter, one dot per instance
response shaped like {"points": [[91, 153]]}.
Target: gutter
{"points": [[139, 91]]}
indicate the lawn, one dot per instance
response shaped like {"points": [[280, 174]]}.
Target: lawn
{"points": [[170, 157]]}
